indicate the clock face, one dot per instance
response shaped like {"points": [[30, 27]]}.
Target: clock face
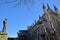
{"points": [[1, 37]]}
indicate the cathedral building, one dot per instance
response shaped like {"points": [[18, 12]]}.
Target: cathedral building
{"points": [[47, 27]]}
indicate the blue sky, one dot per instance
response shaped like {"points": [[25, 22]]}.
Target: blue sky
{"points": [[20, 17]]}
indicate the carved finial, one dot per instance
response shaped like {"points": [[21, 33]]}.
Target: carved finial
{"points": [[44, 8], [48, 7], [35, 21], [39, 17], [55, 8]]}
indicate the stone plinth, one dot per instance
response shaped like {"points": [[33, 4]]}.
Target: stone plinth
{"points": [[3, 36]]}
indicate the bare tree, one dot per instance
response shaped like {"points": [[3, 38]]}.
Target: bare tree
{"points": [[18, 2]]}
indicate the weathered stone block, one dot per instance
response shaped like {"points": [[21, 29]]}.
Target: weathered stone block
{"points": [[3, 36]]}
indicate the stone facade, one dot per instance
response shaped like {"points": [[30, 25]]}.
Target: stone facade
{"points": [[22, 35], [47, 27]]}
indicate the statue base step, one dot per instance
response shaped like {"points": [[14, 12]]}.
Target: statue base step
{"points": [[3, 36]]}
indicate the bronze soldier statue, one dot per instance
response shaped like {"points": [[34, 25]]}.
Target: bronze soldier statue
{"points": [[4, 25]]}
